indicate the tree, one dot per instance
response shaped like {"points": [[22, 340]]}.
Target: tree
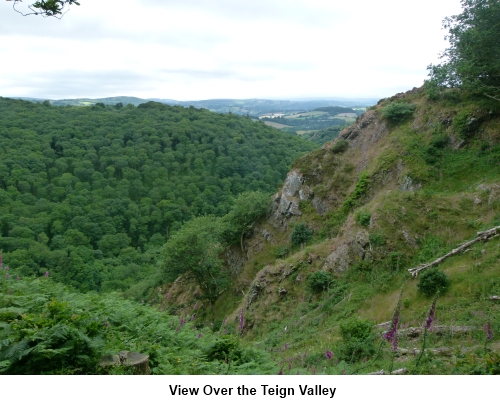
{"points": [[195, 251], [47, 8], [473, 58]]}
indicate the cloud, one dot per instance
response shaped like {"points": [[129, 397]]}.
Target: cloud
{"points": [[222, 48]]}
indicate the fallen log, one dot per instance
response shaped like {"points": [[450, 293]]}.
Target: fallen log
{"points": [[482, 236], [414, 332]]}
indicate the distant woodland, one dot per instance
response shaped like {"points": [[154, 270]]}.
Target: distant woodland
{"points": [[92, 193]]}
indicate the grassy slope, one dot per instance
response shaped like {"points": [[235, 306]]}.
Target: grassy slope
{"points": [[459, 196]]}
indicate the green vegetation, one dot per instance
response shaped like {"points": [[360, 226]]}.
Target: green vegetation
{"points": [[432, 282], [319, 281], [46, 328], [362, 217], [471, 61], [92, 193], [301, 234], [398, 112]]}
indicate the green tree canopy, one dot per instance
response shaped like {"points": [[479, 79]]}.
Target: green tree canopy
{"points": [[473, 57], [47, 8], [194, 250]]}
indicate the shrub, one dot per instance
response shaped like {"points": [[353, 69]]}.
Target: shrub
{"points": [[301, 234], [340, 146], [281, 252], [432, 281], [357, 340], [319, 281], [398, 112], [362, 217]]}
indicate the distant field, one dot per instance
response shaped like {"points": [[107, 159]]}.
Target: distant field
{"points": [[305, 132], [346, 115], [276, 125], [307, 114]]}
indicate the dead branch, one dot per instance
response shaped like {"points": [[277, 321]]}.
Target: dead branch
{"points": [[438, 330], [482, 236]]}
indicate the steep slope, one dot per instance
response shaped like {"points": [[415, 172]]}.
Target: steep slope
{"points": [[405, 184]]}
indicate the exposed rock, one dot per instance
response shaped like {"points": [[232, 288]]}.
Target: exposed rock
{"points": [[408, 184], [292, 184], [319, 205], [305, 193], [235, 259], [286, 203], [348, 252], [409, 240], [266, 234]]}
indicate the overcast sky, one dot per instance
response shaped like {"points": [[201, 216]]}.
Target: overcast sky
{"points": [[201, 49]]}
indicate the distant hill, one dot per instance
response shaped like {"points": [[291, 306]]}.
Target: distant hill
{"points": [[252, 107]]}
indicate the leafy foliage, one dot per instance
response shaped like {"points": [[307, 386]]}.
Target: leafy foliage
{"points": [[248, 207], [340, 146], [319, 281], [472, 59], [301, 234], [49, 329], [398, 112], [357, 340], [49, 8], [433, 281], [362, 217], [92, 193], [195, 250]]}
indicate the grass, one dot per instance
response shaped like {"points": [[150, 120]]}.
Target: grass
{"points": [[406, 228]]}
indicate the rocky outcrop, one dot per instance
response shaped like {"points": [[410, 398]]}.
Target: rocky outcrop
{"points": [[348, 252], [286, 202]]}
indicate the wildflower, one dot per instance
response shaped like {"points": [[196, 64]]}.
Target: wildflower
{"points": [[280, 372], [286, 346], [192, 317], [106, 324], [488, 330], [343, 372], [182, 321], [392, 334], [328, 354], [7, 275], [364, 360], [169, 295], [224, 321], [47, 274], [195, 306], [7, 268], [432, 314], [242, 320], [199, 335]]}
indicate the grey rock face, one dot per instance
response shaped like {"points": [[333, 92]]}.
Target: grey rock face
{"points": [[287, 204], [348, 252]]}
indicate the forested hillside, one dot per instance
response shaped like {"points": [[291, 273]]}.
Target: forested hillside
{"points": [[90, 193]]}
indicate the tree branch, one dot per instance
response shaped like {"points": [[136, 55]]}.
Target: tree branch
{"points": [[485, 235]]}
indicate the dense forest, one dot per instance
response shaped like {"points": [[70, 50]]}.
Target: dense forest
{"points": [[91, 193]]}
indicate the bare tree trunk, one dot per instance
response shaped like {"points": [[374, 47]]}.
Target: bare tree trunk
{"points": [[485, 235]]}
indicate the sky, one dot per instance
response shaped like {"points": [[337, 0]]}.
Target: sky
{"points": [[206, 49]]}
